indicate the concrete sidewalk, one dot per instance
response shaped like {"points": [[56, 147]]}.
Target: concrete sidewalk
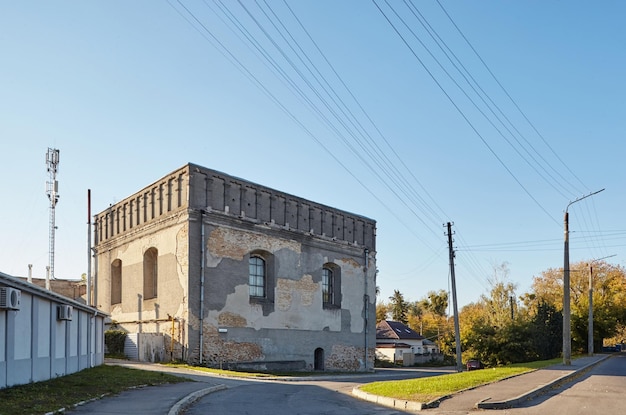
{"points": [[512, 391], [498, 395], [168, 399]]}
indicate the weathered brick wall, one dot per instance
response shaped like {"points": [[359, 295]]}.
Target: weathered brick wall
{"points": [[74, 289], [295, 323], [345, 357], [218, 192], [144, 207], [205, 225]]}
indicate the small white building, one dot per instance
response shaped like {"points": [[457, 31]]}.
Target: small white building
{"points": [[397, 342], [430, 347], [395, 339], [44, 335]]}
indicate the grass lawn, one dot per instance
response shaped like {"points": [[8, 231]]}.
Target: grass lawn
{"points": [[428, 389], [64, 392]]}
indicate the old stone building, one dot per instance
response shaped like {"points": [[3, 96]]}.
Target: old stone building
{"points": [[225, 271]]}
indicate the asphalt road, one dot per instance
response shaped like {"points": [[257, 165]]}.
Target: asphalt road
{"points": [[320, 397], [599, 391]]}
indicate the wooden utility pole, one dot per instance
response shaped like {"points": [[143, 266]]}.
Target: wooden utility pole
{"points": [[457, 331], [590, 323]]}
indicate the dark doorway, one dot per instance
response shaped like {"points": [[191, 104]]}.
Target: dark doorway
{"points": [[319, 359]]}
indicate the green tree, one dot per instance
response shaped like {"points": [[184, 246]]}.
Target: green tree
{"points": [[609, 299], [399, 307], [416, 316], [546, 331], [428, 315], [489, 332], [501, 297], [436, 302]]}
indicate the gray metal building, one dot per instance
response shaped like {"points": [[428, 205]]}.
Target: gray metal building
{"points": [[44, 335]]}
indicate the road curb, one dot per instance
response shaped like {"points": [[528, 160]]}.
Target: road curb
{"points": [[509, 403], [192, 397], [389, 402]]}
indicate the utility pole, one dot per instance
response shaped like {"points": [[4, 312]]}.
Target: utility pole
{"points": [[590, 323], [457, 331], [567, 326]]}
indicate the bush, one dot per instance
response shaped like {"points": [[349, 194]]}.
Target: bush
{"points": [[114, 341]]}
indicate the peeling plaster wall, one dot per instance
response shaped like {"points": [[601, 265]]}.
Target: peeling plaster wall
{"points": [[205, 224], [297, 324], [298, 298], [172, 274], [135, 314]]}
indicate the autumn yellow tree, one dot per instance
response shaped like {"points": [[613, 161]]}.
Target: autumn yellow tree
{"points": [[382, 311], [609, 299], [500, 330]]}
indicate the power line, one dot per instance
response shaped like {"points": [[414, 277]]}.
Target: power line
{"points": [[292, 63], [461, 112], [535, 130], [554, 153], [395, 181], [487, 101]]}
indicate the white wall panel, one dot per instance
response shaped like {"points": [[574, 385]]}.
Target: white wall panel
{"points": [[3, 332], [43, 327], [59, 349], [23, 326]]}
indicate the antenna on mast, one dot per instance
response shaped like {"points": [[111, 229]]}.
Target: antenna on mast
{"points": [[52, 190]]}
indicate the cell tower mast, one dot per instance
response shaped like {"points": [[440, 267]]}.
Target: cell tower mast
{"points": [[52, 190]]}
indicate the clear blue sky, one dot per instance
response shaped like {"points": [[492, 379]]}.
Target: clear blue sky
{"points": [[348, 113]]}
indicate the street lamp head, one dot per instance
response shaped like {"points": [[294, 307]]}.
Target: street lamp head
{"points": [[582, 197]]}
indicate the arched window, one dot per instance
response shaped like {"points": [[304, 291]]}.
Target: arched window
{"points": [[331, 286], [150, 273], [261, 279], [116, 282], [257, 277]]}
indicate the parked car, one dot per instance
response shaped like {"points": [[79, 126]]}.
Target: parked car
{"points": [[474, 364]]}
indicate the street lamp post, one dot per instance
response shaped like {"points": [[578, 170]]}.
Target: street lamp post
{"points": [[567, 327]]}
